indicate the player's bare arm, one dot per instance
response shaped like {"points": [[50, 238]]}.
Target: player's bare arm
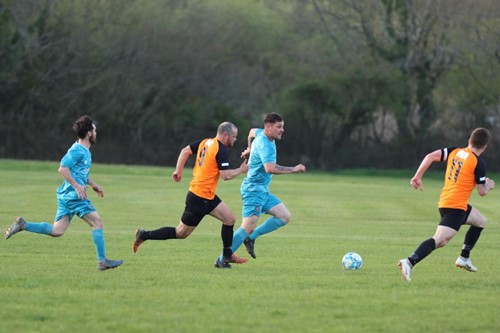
{"points": [[483, 189], [181, 161], [251, 136], [233, 173], [96, 187], [277, 169], [430, 158]]}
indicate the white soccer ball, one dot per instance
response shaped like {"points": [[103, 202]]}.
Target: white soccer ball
{"points": [[352, 260]]}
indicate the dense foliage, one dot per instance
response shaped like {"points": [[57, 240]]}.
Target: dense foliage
{"points": [[361, 83]]}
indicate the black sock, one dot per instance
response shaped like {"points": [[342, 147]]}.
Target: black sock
{"points": [[422, 251], [160, 234], [471, 238], [226, 233]]}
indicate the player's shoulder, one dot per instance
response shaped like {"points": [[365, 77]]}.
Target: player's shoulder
{"points": [[75, 149], [258, 132], [449, 149], [222, 147], [480, 161], [79, 147]]}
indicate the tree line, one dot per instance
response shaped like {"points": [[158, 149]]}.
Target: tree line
{"points": [[360, 83]]}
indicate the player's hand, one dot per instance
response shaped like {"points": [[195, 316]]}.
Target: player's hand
{"points": [[176, 177], [246, 153], [244, 166], [299, 168], [490, 183], [99, 190], [80, 191], [417, 183]]}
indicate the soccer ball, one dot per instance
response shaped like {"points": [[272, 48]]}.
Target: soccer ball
{"points": [[352, 260]]}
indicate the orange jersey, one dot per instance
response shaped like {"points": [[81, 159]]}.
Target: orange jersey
{"points": [[211, 156], [464, 170]]}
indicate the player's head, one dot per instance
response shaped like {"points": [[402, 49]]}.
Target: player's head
{"points": [[272, 118], [480, 138], [274, 126], [227, 133], [84, 127]]}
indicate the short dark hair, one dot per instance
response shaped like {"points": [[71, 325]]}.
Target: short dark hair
{"points": [[272, 118], [82, 126], [480, 137]]}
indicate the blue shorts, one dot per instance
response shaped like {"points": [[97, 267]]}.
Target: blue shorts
{"points": [[255, 203], [72, 207]]}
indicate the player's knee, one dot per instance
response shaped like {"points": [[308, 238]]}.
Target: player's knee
{"points": [[286, 218], [95, 224], [57, 233], [181, 234], [230, 221], [440, 242], [482, 222]]}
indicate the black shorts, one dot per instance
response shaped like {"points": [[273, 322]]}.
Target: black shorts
{"points": [[454, 218], [197, 207]]}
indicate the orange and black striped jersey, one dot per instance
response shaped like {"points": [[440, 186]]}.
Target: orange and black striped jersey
{"points": [[463, 171], [211, 156]]}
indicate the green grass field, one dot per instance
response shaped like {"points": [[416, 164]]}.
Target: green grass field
{"points": [[296, 284]]}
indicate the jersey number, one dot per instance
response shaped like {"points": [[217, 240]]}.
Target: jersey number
{"points": [[201, 158], [457, 171]]}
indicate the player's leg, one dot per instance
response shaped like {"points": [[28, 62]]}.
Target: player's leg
{"points": [[475, 218], [86, 211], [20, 224], [193, 213], [477, 222], [251, 210], [241, 236], [183, 230], [95, 222], [180, 232], [60, 226], [451, 220], [280, 217], [63, 216], [423, 250], [224, 214], [62, 219], [248, 223], [441, 237]]}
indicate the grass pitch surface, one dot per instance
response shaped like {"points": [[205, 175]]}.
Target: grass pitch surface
{"points": [[296, 284]]}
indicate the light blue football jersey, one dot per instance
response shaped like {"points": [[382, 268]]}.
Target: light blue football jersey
{"points": [[263, 151], [78, 160]]}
